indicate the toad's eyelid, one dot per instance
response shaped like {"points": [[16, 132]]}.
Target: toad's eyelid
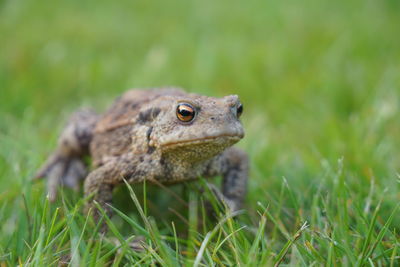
{"points": [[186, 102], [194, 105]]}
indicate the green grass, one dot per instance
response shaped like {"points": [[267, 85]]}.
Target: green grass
{"points": [[320, 82]]}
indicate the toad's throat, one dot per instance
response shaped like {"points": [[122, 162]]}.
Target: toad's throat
{"points": [[231, 137]]}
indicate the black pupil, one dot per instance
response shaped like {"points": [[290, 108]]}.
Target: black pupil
{"points": [[185, 111]]}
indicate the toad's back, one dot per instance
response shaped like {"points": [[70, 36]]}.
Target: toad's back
{"points": [[112, 135]]}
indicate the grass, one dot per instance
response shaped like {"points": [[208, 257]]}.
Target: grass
{"points": [[321, 88]]}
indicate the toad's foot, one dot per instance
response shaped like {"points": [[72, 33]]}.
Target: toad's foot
{"points": [[230, 204], [61, 170]]}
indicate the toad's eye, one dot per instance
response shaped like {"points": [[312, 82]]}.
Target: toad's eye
{"points": [[185, 112], [239, 110]]}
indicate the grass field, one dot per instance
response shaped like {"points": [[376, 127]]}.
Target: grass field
{"points": [[320, 83]]}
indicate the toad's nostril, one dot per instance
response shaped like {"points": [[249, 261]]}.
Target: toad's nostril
{"points": [[239, 110], [212, 118]]}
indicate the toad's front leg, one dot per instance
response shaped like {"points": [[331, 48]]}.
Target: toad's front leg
{"points": [[101, 181], [233, 165]]}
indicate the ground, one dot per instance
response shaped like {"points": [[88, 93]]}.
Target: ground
{"points": [[320, 85]]}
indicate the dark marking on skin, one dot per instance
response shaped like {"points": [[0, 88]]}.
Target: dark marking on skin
{"points": [[166, 168], [148, 115], [148, 133], [130, 171], [137, 173], [126, 104], [151, 149], [126, 161], [162, 161], [134, 105], [141, 158], [209, 168]]}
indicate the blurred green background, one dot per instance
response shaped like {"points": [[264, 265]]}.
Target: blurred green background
{"points": [[320, 82]]}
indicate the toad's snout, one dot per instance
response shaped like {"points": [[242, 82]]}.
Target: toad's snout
{"points": [[234, 106]]}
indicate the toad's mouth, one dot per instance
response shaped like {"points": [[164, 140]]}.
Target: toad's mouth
{"points": [[232, 138]]}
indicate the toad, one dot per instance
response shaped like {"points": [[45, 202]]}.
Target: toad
{"points": [[163, 135]]}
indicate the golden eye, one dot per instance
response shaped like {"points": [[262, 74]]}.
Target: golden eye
{"points": [[239, 110], [185, 112]]}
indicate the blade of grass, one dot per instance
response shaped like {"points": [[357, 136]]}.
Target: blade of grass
{"points": [[367, 241], [382, 232], [289, 244]]}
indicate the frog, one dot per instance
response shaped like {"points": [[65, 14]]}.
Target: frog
{"points": [[161, 135]]}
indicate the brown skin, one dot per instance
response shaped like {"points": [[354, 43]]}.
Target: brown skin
{"points": [[144, 137]]}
